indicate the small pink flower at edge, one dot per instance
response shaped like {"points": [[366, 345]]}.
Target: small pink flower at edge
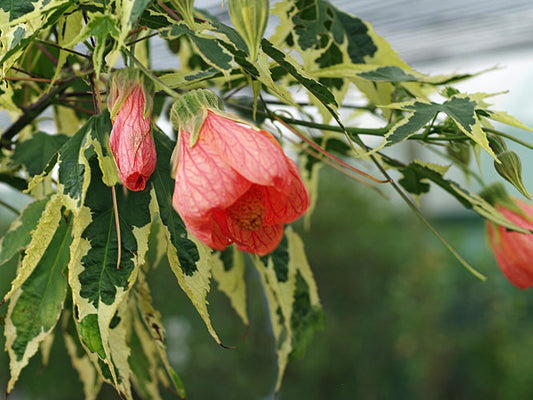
{"points": [[514, 250], [235, 185], [131, 140]]}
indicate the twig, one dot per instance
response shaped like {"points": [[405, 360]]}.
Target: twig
{"points": [[62, 48], [151, 75], [324, 152], [117, 223], [426, 222], [9, 207]]}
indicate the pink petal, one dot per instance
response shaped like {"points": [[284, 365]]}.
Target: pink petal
{"points": [[209, 234], [254, 154], [282, 207], [132, 144], [261, 241], [204, 182]]}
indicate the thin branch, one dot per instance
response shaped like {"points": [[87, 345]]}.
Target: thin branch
{"points": [[426, 222], [324, 152], [9, 207], [117, 223], [29, 79], [151, 75], [62, 48], [505, 135]]}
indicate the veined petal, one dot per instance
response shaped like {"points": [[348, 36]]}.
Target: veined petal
{"points": [[209, 233], [204, 182], [255, 155], [132, 144], [282, 207], [260, 241]]}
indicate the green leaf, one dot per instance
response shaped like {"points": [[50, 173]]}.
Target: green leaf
{"points": [[163, 185], [229, 274], [101, 26], [40, 239], [81, 362], [208, 47], [74, 169], [294, 306], [18, 235], [35, 153], [25, 20], [98, 286], [72, 165], [35, 308], [148, 319], [462, 110], [321, 92], [190, 260], [417, 172]]}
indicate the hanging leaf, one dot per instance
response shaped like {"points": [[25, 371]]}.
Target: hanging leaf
{"points": [[35, 152], [98, 286], [291, 292], [229, 275], [40, 239], [87, 372], [190, 260], [18, 235], [35, 307]]}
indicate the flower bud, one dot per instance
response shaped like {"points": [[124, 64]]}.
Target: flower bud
{"points": [[250, 18], [459, 151], [510, 168], [130, 101]]}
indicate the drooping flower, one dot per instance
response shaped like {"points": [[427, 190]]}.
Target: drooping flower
{"points": [[513, 250], [234, 184], [130, 106]]}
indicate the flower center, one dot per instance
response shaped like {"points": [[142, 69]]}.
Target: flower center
{"points": [[248, 211]]}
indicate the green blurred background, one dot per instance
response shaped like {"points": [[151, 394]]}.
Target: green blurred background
{"points": [[404, 320]]}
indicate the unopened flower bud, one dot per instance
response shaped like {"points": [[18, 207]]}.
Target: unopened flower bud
{"points": [[459, 151], [510, 168], [130, 107], [497, 144], [250, 18]]}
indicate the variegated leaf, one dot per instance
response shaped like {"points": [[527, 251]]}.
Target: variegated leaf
{"points": [[190, 260], [23, 20], [98, 283], [40, 239], [148, 359], [36, 305], [18, 235], [82, 363], [291, 292], [229, 274]]}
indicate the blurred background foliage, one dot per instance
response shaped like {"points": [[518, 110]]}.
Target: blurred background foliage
{"points": [[404, 320]]}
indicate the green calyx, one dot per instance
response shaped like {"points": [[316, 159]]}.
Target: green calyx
{"points": [[510, 168], [121, 84], [190, 110]]}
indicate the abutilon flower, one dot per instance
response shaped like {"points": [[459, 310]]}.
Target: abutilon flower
{"points": [[130, 106], [514, 250], [234, 184]]}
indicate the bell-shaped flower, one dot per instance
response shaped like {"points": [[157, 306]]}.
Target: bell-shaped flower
{"points": [[234, 184], [130, 105], [513, 250]]}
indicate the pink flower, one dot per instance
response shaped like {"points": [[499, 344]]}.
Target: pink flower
{"points": [[514, 250], [131, 139], [235, 185]]}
